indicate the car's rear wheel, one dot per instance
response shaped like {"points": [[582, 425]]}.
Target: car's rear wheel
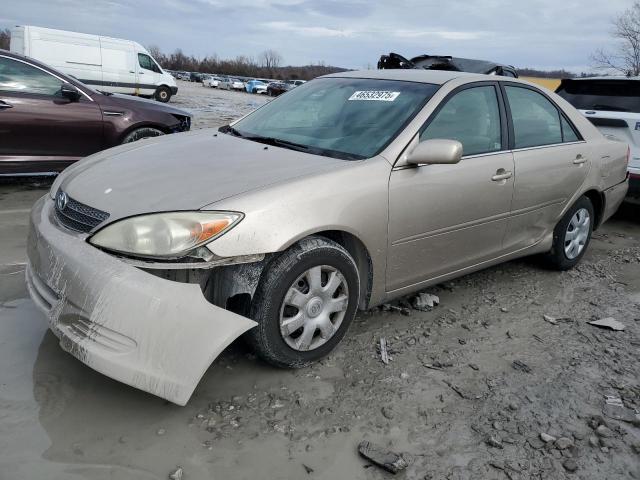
{"points": [[572, 235], [304, 303], [140, 133], [163, 94]]}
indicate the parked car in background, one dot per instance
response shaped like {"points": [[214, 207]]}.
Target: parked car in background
{"points": [[297, 83], [109, 64], [195, 77], [442, 62], [211, 81], [49, 120], [397, 181], [256, 86], [613, 105], [278, 88], [231, 83]]}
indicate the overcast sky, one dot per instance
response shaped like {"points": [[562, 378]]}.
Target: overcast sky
{"points": [[348, 33]]}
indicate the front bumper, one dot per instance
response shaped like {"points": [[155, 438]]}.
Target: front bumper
{"points": [[154, 334]]}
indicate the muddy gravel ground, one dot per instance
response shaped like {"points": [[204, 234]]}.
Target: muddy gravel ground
{"points": [[482, 386]]}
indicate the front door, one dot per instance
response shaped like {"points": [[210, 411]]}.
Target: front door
{"points": [[39, 126], [443, 218], [148, 72]]}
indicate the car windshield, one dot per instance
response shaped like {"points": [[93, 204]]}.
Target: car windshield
{"points": [[349, 118], [606, 95]]}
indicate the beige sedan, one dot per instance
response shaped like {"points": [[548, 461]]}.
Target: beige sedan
{"points": [[344, 193]]}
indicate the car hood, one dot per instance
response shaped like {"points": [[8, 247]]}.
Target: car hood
{"points": [[116, 100], [184, 171]]}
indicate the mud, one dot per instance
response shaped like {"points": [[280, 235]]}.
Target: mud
{"points": [[454, 397]]}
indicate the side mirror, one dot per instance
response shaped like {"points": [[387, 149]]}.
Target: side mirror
{"points": [[436, 151], [70, 92]]}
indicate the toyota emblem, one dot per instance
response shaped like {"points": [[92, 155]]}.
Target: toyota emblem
{"points": [[61, 200]]}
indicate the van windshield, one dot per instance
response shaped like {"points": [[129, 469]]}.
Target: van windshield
{"points": [[349, 118]]}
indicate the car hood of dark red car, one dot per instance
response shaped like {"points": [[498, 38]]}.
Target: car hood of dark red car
{"points": [[119, 101], [183, 171]]}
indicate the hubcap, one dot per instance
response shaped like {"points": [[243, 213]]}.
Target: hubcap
{"points": [[577, 233], [313, 308]]}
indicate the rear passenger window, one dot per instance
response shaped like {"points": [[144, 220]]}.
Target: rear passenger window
{"points": [[473, 118], [536, 121], [568, 132]]}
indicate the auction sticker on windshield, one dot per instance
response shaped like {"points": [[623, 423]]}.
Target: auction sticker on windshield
{"points": [[376, 95]]}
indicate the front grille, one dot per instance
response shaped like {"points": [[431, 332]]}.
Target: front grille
{"points": [[77, 216]]}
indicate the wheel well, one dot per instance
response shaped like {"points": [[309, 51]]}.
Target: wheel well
{"points": [[597, 200], [162, 128], [360, 254]]}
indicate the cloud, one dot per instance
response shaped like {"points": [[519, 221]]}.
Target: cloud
{"points": [[308, 31], [348, 33]]}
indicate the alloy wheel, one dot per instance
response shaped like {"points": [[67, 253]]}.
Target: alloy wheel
{"points": [[577, 233], [313, 308]]}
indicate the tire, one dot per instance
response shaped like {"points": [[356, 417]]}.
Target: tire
{"points": [[568, 247], [140, 133], [323, 302], [254, 91], [163, 94]]}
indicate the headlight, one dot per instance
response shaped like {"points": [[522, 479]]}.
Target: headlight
{"points": [[166, 235]]}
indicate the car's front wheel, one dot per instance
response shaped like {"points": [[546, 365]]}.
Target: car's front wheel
{"points": [[140, 133], [572, 235], [163, 94], [304, 303]]}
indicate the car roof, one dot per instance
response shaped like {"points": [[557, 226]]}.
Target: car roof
{"points": [[437, 77]]}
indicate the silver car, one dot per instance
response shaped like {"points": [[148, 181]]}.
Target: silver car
{"points": [[350, 190]]}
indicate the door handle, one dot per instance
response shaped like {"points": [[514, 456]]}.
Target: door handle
{"points": [[132, 71], [579, 160], [4, 105], [501, 174]]}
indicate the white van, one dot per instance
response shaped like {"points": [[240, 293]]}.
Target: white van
{"points": [[108, 64]]}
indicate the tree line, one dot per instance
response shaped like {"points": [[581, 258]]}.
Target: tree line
{"points": [[266, 65]]}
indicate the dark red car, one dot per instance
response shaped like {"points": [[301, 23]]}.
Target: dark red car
{"points": [[49, 120]]}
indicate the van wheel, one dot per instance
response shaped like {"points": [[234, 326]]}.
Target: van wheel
{"points": [[163, 94], [571, 236], [140, 133], [305, 300]]}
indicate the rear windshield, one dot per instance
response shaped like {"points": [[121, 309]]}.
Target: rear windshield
{"points": [[607, 95]]}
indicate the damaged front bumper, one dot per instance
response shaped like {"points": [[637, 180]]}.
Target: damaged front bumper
{"points": [[154, 334]]}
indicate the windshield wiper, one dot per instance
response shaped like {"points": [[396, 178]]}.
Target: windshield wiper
{"points": [[276, 142], [600, 106]]}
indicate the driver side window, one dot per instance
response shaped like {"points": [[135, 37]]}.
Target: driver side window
{"points": [[19, 77], [472, 117], [147, 63]]}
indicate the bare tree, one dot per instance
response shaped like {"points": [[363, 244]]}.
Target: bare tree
{"points": [[5, 39], [156, 53], [626, 58], [270, 59]]}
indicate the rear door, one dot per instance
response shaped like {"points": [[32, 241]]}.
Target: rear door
{"points": [[551, 163], [39, 129], [612, 105]]}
